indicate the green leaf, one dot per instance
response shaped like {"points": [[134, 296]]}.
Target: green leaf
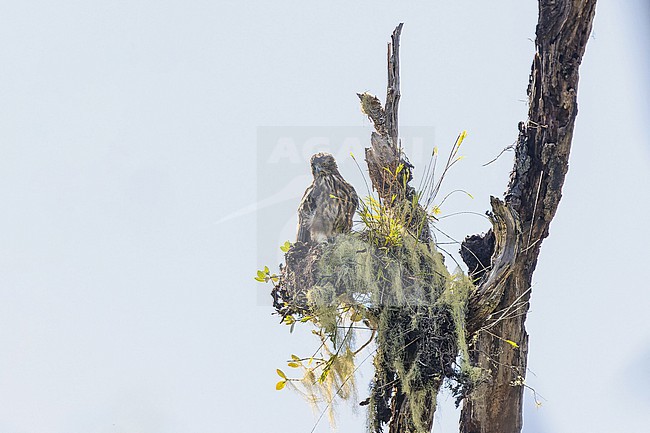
{"points": [[261, 274], [285, 246], [261, 280], [323, 375], [293, 364], [281, 384], [295, 358], [266, 270], [281, 373]]}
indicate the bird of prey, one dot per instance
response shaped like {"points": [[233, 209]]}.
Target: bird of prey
{"points": [[329, 203]]}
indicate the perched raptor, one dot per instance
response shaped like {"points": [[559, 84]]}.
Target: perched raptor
{"points": [[329, 203]]}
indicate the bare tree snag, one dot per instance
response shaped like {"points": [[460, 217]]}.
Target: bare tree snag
{"points": [[419, 321], [534, 192], [384, 155], [384, 158]]}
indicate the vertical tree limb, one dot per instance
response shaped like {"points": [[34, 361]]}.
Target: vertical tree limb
{"points": [[534, 192], [393, 92]]}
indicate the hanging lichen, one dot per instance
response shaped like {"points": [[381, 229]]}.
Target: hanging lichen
{"points": [[388, 286], [410, 302]]}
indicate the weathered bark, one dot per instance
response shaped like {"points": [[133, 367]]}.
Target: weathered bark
{"points": [[384, 155], [534, 192], [507, 234]]}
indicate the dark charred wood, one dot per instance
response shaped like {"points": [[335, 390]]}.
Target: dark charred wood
{"points": [[476, 251]]}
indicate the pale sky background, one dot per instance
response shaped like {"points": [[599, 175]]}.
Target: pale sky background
{"points": [[129, 137]]}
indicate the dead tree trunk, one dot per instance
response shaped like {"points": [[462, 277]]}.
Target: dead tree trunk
{"points": [[534, 192], [497, 309], [503, 260]]}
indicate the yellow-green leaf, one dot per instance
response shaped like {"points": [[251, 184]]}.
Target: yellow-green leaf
{"points": [[295, 358], [323, 375], [266, 269], [280, 385], [281, 374], [260, 274], [293, 364], [261, 280], [285, 247], [512, 343], [460, 138]]}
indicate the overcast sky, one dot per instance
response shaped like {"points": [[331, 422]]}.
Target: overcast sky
{"points": [[152, 156]]}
